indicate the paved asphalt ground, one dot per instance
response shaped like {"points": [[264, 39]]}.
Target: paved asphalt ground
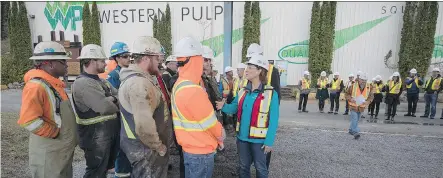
{"points": [[318, 145]]}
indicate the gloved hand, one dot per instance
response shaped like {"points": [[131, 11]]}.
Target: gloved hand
{"points": [[162, 150]]}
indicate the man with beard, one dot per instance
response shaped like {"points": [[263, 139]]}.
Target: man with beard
{"points": [[146, 136], [96, 105]]}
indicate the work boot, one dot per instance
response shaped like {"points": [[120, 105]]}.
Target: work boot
{"points": [[362, 116], [441, 117], [357, 136], [306, 111], [330, 112], [413, 115], [336, 112], [388, 118], [392, 118], [346, 113], [408, 114], [431, 118], [424, 116]]}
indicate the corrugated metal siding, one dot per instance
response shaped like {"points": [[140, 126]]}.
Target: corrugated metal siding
{"points": [[288, 23]]}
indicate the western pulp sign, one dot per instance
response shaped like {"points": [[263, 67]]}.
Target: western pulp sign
{"points": [[365, 31]]}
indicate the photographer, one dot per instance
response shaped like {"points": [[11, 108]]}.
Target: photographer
{"points": [[413, 82]]}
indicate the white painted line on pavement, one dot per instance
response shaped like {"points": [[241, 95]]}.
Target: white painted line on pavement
{"points": [[371, 133]]}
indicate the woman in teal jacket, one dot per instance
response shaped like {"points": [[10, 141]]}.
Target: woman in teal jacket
{"points": [[255, 131]]}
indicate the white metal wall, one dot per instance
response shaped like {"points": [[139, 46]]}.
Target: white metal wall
{"points": [[288, 23]]}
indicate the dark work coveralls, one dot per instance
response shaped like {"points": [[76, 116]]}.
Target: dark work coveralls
{"points": [[412, 87], [334, 95], [97, 140], [322, 95], [378, 98], [392, 99]]}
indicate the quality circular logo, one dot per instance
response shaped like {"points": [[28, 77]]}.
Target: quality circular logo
{"points": [[295, 53]]}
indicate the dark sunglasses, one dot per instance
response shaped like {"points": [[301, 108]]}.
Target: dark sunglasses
{"points": [[126, 56]]}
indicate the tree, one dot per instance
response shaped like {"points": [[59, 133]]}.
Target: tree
{"points": [[255, 14], [428, 39], [95, 25], [5, 15], [24, 40], [12, 27], [167, 44], [406, 38], [314, 41], [246, 29], [155, 26], [87, 29]]}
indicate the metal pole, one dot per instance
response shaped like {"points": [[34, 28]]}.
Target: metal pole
{"points": [[227, 46]]}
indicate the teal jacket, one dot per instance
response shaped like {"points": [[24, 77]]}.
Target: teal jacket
{"points": [[246, 116], [114, 77]]}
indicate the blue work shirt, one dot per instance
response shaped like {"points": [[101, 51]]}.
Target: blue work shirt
{"points": [[414, 88], [114, 77], [246, 116]]}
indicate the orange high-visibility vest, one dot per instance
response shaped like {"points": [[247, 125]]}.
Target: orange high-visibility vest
{"points": [[356, 92]]}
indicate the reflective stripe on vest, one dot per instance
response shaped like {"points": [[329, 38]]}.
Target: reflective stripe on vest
{"points": [[322, 83], [260, 117], [53, 102], [226, 88], [435, 84], [305, 84], [270, 70], [126, 126], [394, 88], [180, 122], [236, 86], [410, 85], [94, 120], [335, 84], [378, 87]]}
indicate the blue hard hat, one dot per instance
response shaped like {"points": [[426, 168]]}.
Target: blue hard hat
{"points": [[119, 48]]}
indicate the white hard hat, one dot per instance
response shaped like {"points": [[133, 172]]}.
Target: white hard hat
{"points": [[49, 50], [351, 75], [147, 45], [306, 73], [188, 47], [336, 73], [377, 78], [396, 74], [171, 58], [254, 48], [323, 74], [413, 71], [241, 66], [164, 65], [208, 53], [92, 51], [228, 69], [436, 70], [363, 76], [359, 72], [259, 60], [373, 79]]}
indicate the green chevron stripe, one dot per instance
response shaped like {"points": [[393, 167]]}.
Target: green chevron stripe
{"points": [[217, 43]]}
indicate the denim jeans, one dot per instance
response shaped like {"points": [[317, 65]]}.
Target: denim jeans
{"points": [[355, 117], [431, 102], [123, 167], [252, 153], [198, 165]]}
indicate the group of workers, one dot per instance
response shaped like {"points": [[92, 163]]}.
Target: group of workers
{"points": [[130, 120], [359, 94]]}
